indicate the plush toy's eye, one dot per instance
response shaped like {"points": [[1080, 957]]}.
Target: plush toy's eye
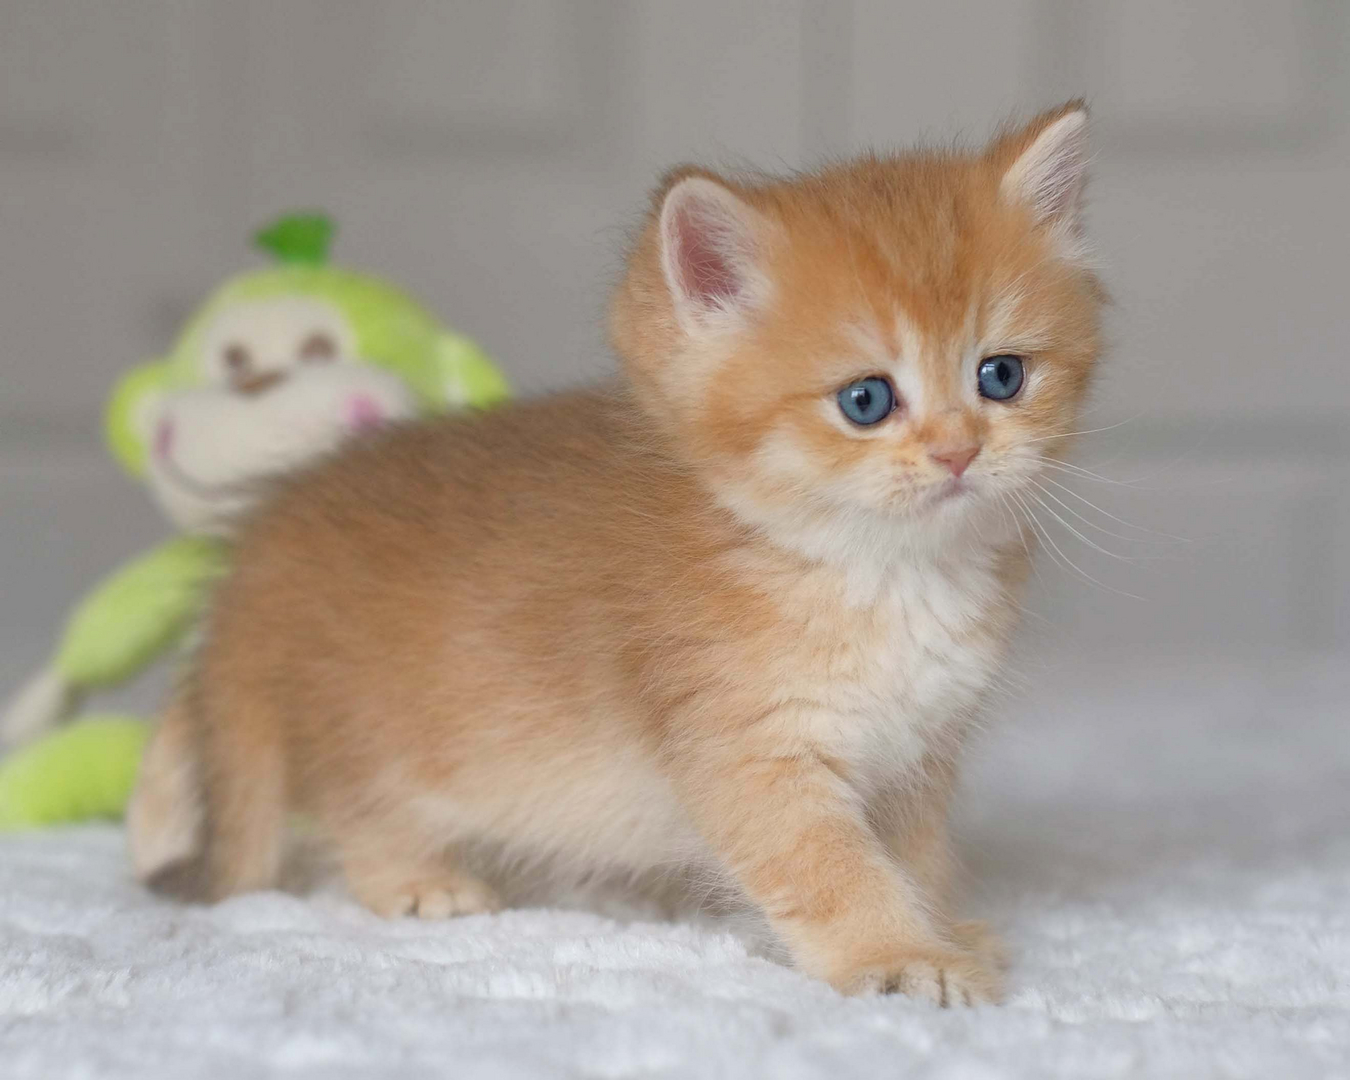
{"points": [[318, 346], [1001, 377], [867, 401], [237, 358]]}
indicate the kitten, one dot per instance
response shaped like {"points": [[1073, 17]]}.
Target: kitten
{"points": [[733, 614]]}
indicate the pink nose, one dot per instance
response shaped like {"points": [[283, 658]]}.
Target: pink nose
{"points": [[164, 438], [957, 459], [364, 413]]}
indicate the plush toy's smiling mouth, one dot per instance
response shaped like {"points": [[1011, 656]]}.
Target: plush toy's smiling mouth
{"points": [[222, 491], [207, 491]]}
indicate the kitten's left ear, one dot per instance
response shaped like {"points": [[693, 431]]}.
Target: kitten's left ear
{"points": [[1045, 165]]}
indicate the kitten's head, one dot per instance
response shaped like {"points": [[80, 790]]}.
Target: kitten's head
{"points": [[899, 340]]}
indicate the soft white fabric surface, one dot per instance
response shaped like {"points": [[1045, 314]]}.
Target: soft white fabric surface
{"points": [[1166, 852]]}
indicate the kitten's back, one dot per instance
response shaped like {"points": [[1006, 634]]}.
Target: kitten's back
{"points": [[440, 594]]}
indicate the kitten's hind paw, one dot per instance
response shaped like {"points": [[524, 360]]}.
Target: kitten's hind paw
{"points": [[428, 896]]}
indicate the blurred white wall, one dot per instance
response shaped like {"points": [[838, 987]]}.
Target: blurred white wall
{"points": [[492, 156]]}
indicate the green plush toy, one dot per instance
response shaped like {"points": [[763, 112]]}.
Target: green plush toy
{"points": [[277, 367]]}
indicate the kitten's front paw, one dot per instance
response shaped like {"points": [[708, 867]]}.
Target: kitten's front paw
{"points": [[944, 978]]}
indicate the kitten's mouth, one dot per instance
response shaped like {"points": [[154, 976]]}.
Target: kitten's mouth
{"points": [[950, 489]]}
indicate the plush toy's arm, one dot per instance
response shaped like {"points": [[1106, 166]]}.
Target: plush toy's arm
{"points": [[468, 376], [138, 612], [131, 618]]}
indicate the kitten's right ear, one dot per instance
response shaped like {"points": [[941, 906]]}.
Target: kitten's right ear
{"points": [[1044, 165], [712, 251]]}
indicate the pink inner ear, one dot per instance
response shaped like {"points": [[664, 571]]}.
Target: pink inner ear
{"points": [[703, 257]]}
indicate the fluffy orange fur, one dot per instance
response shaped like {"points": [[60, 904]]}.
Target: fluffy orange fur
{"points": [[694, 620]]}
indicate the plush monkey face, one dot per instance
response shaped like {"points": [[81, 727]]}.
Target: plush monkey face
{"points": [[276, 368], [278, 382]]}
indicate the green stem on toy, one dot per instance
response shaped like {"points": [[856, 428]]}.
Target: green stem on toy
{"points": [[298, 238]]}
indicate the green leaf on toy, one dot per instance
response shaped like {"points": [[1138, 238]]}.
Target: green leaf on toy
{"points": [[298, 238]]}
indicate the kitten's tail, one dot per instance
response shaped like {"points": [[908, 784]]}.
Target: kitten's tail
{"points": [[236, 808]]}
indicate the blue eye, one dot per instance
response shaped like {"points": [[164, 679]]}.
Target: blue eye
{"points": [[867, 401], [1001, 377]]}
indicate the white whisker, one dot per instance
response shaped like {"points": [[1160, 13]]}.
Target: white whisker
{"points": [[1089, 431], [1089, 522], [1007, 509], [1086, 474], [1049, 540], [1090, 543], [1107, 513]]}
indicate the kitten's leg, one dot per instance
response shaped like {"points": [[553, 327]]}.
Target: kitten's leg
{"points": [[917, 836], [240, 750], [793, 832], [394, 879], [164, 814]]}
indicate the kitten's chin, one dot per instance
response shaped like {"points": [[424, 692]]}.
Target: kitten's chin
{"points": [[955, 507]]}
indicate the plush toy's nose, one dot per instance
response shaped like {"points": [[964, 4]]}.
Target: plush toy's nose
{"points": [[363, 413]]}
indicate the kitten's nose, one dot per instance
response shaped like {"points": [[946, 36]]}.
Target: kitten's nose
{"points": [[957, 459]]}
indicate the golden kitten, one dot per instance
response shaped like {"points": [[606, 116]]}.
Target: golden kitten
{"points": [[733, 614]]}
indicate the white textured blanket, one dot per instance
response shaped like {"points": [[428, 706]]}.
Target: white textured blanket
{"points": [[1167, 854]]}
